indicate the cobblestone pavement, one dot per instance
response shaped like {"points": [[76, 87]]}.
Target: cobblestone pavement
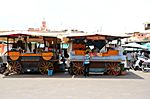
{"points": [[134, 85]]}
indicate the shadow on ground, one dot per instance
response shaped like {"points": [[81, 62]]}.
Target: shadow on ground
{"points": [[129, 75]]}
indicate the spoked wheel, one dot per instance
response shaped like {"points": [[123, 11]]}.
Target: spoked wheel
{"points": [[78, 69], [15, 67], [44, 66], [113, 69]]}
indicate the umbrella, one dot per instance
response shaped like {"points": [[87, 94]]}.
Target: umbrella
{"points": [[134, 45]]}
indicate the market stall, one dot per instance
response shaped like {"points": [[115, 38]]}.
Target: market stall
{"points": [[104, 58], [32, 52]]}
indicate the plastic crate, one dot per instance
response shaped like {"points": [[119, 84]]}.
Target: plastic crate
{"points": [[50, 72]]}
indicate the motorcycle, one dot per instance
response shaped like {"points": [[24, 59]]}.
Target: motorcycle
{"points": [[146, 65], [142, 63]]}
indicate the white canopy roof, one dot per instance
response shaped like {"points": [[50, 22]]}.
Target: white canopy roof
{"points": [[134, 45]]}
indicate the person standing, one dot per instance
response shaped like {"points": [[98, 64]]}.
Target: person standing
{"points": [[86, 63], [129, 59]]}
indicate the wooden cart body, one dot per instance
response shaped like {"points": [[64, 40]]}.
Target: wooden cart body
{"points": [[98, 65]]}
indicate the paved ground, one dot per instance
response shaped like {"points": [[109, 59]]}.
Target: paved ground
{"points": [[134, 85]]}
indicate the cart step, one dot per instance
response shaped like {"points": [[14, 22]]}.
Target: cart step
{"points": [[96, 73]]}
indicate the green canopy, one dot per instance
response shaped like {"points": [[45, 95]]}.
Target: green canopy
{"points": [[147, 45]]}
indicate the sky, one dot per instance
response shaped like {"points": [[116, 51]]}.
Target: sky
{"points": [[108, 16]]}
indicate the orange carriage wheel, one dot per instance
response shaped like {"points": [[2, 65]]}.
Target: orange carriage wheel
{"points": [[15, 67], [44, 66], [78, 69], [113, 68]]}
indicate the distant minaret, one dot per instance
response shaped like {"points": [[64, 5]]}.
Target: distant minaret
{"points": [[43, 27], [147, 25]]}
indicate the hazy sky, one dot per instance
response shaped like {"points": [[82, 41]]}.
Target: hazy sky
{"points": [[113, 16]]}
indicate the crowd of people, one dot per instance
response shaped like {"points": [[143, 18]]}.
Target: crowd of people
{"points": [[132, 56]]}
